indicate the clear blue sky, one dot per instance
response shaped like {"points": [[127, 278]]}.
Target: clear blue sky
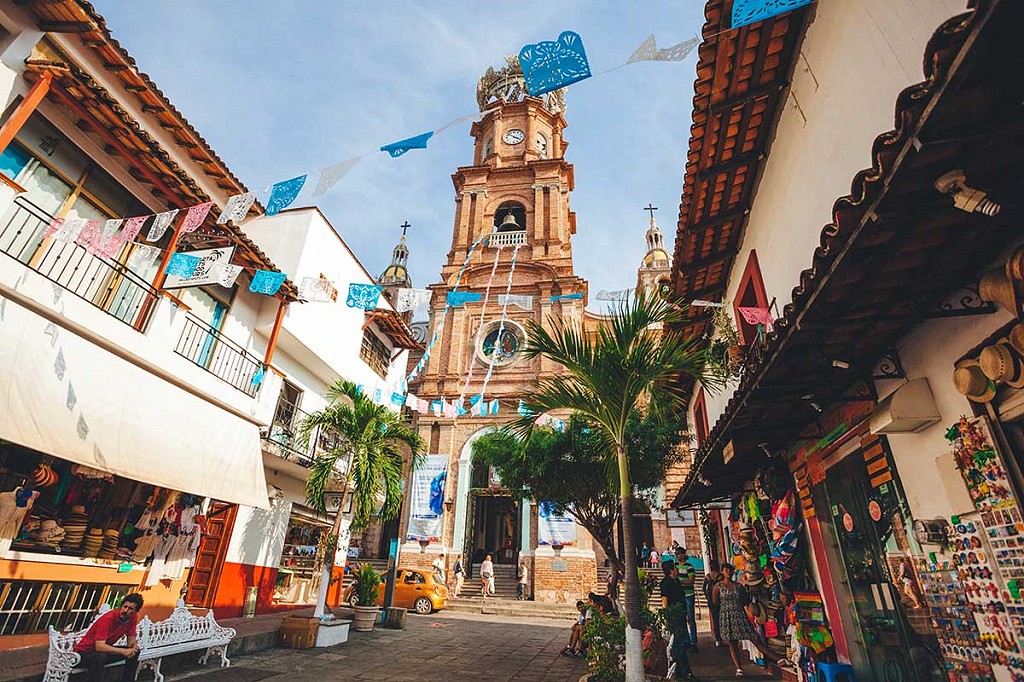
{"points": [[281, 88]]}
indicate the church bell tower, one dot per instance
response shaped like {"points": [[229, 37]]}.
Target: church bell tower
{"points": [[511, 261]]}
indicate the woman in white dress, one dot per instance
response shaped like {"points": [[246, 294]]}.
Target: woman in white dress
{"points": [[486, 577]]}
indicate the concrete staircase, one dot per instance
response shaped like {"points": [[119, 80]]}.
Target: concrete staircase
{"points": [[655, 602], [504, 582]]}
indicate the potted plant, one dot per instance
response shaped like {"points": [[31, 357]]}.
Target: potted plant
{"points": [[725, 354], [366, 609]]}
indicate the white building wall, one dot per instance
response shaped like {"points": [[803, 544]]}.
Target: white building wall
{"points": [[856, 58]]}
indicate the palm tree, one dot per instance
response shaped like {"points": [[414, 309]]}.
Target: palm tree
{"points": [[633, 359], [366, 439]]}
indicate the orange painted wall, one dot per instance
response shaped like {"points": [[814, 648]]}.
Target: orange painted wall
{"points": [[160, 599], [229, 601]]}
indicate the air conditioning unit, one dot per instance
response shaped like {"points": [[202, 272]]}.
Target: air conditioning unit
{"points": [[909, 409]]}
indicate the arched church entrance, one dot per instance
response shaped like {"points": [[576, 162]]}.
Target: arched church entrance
{"points": [[487, 517]]}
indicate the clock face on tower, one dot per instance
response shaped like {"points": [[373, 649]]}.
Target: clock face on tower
{"points": [[513, 136]]}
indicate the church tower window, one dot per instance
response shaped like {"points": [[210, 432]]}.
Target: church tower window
{"points": [[501, 217], [541, 143]]}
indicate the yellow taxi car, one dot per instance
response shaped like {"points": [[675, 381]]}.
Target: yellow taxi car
{"points": [[418, 591]]}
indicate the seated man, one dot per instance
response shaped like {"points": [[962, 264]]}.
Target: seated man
{"points": [[575, 647], [97, 647]]}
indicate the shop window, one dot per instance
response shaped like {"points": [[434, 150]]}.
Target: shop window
{"points": [[751, 294], [700, 417], [30, 606], [298, 575], [374, 353]]}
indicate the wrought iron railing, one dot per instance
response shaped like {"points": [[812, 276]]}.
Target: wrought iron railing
{"points": [[283, 440], [107, 284], [506, 239], [219, 355]]}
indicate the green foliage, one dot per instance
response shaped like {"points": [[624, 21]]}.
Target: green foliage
{"points": [[367, 580], [373, 436], [576, 471], [722, 361], [605, 637]]}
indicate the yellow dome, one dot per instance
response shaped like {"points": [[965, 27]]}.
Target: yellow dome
{"points": [[394, 274], [655, 255]]}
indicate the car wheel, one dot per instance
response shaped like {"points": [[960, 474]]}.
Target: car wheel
{"points": [[423, 606]]}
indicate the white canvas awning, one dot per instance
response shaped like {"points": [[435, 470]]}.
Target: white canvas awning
{"points": [[106, 412]]}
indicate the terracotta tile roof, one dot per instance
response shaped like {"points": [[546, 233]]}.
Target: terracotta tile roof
{"points": [[147, 158], [873, 275], [741, 82]]}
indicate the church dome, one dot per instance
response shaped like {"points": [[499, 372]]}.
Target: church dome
{"points": [[655, 255], [395, 274]]}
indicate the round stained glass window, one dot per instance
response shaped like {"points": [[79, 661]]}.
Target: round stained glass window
{"points": [[501, 344]]}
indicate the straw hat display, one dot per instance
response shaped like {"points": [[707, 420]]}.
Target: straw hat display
{"points": [[75, 524], [997, 287], [972, 382], [1002, 363]]}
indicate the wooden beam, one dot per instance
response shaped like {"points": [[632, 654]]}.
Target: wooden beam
{"points": [[24, 110], [282, 308], [130, 87], [118, 144], [66, 26]]}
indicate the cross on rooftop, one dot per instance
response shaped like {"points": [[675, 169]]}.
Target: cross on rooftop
{"points": [[405, 226], [651, 209]]}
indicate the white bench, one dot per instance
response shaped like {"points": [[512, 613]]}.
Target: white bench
{"points": [[180, 633]]}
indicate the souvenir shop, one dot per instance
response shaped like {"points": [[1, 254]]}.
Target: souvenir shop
{"points": [[73, 537], [298, 575], [762, 536]]}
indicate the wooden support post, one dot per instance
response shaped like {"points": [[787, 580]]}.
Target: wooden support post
{"points": [[25, 108], [272, 343], [160, 276]]}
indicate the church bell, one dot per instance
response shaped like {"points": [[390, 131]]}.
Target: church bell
{"points": [[509, 224]]}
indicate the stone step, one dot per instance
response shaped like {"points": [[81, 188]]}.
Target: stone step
{"points": [[512, 607]]}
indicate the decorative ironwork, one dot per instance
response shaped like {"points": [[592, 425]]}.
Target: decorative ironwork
{"points": [[889, 367], [107, 284], [966, 303], [219, 355]]}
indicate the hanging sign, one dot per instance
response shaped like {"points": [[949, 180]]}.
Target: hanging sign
{"points": [[552, 529], [204, 273], [427, 499], [728, 452]]}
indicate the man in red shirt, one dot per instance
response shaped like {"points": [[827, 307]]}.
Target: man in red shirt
{"points": [[98, 646]]}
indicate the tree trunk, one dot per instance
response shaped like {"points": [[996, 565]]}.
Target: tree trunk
{"points": [[325, 576], [634, 633]]}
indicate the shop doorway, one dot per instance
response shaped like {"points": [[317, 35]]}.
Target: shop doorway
{"points": [[495, 530], [865, 521], [209, 563]]}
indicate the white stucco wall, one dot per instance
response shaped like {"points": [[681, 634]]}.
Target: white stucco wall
{"points": [[858, 55]]}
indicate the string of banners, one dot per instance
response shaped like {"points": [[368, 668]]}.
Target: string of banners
{"points": [[547, 66]]}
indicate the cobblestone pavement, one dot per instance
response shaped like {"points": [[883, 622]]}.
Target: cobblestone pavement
{"points": [[438, 647], [460, 647]]}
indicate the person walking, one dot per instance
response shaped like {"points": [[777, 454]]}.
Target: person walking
{"points": [[673, 600], [733, 624], [459, 571], [486, 577], [523, 577], [688, 579], [712, 578], [438, 566], [98, 646], [645, 555]]}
